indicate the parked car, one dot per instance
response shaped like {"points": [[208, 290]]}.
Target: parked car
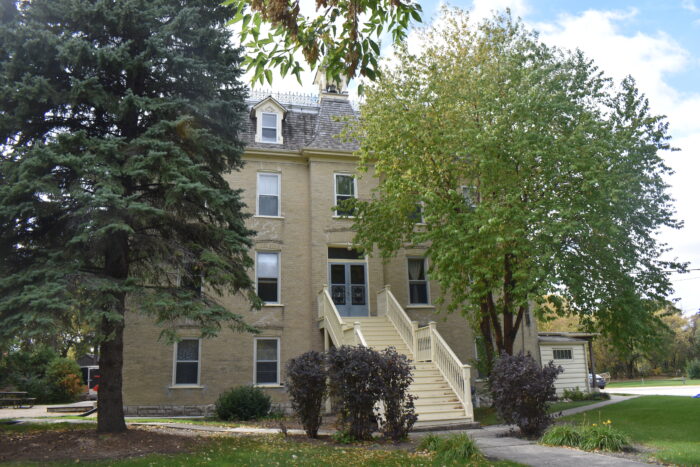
{"points": [[598, 379]]}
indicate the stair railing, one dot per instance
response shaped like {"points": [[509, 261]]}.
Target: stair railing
{"points": [[333, 322], [388, 304], [457, 374], [359, 337], [426, 344]]}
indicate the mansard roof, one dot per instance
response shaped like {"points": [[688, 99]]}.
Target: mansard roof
{"points": [[309, 122]]}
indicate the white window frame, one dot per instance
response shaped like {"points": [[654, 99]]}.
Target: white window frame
{"points": [[569, 349], [426, 280], [255, 361], [276, 139], [279, 275], [199, 363], [335, 190], [279, 195]]}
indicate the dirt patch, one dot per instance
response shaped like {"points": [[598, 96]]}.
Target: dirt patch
{"points": [[86, 444]]}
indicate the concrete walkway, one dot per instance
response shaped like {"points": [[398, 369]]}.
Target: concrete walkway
{"points": [[688, 391], [614, 399], [495, 443]]}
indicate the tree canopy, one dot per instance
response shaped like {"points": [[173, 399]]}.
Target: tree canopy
{"points": [[343, 36], [118, 121], [536, 177]]}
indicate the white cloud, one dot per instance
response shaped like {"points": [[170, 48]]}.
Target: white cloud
{"points": [[690, 6], [651, 59], [484, 8]]}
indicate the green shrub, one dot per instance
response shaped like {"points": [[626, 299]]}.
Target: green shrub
{"points": [[562, 435], [243, 403], [454, 449], [596, 437], [578, 395], [575, 394], [692, 368], [63, 376], [43, 374], [306, 386], [603, 437]]}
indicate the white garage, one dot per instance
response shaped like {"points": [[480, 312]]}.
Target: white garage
{"points": [[569, 353]]}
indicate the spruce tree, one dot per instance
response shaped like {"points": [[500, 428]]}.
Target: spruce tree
{"points": [[118, 122]]}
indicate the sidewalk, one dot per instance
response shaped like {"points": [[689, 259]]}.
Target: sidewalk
{"points": [[495, 444], [614, 399]]}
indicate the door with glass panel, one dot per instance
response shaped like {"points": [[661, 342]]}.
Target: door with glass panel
{"points": [[348, 283]]}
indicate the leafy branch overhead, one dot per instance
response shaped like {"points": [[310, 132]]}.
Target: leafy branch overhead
{"points": [[343, 36]]}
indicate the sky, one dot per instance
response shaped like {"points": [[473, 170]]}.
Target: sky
{"points": [[657, 43]]}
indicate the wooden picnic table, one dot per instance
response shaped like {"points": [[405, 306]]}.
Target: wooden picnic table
{"points": [[16, 399]]}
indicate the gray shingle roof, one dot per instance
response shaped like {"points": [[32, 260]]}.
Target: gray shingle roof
{"points": [[308, 126]]}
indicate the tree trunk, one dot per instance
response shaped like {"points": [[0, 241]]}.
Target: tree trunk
{"points": [[110, 414]]}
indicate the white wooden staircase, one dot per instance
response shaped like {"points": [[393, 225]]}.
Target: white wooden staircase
{"points": [[440, 380]]}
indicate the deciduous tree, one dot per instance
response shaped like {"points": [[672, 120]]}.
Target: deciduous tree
{"points": [[535, 177]]}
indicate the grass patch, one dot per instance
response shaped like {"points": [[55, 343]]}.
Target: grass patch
{"points": [[669, 424], [456, 449], [654, 382], [488, 416], [557, 407]]}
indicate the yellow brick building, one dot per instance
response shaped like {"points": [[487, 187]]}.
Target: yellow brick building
{"points": [[318, 291]]}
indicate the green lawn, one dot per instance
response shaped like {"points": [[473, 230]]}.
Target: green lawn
{"points": [[487, 415], [653, 382], [670, 424]]}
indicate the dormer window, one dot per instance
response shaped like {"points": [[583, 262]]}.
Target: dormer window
{"points": [[269, 127], [269, 115]]}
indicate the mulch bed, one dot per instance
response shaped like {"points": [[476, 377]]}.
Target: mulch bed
{"points": [[86, 444]]}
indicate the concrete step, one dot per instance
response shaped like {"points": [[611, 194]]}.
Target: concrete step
{"points": [[436, 399], [450, 414], [439, 408], [430, 385], [449, 424]]}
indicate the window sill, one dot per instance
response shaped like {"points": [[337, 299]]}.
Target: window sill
{"points": [[335, 216], [418, 306], [185, 386], [273, 305], [269, 386], [260, 216]]}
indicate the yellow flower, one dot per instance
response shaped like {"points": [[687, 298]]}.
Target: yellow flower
{"points": [[595, 424]]}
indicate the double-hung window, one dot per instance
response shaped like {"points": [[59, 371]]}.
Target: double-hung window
{"points": [[187, 362], [267, 271], [344, 190], [268, 194], [267, 358], [469, 194], [417, 215], [417, 282], [269, 127]]}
